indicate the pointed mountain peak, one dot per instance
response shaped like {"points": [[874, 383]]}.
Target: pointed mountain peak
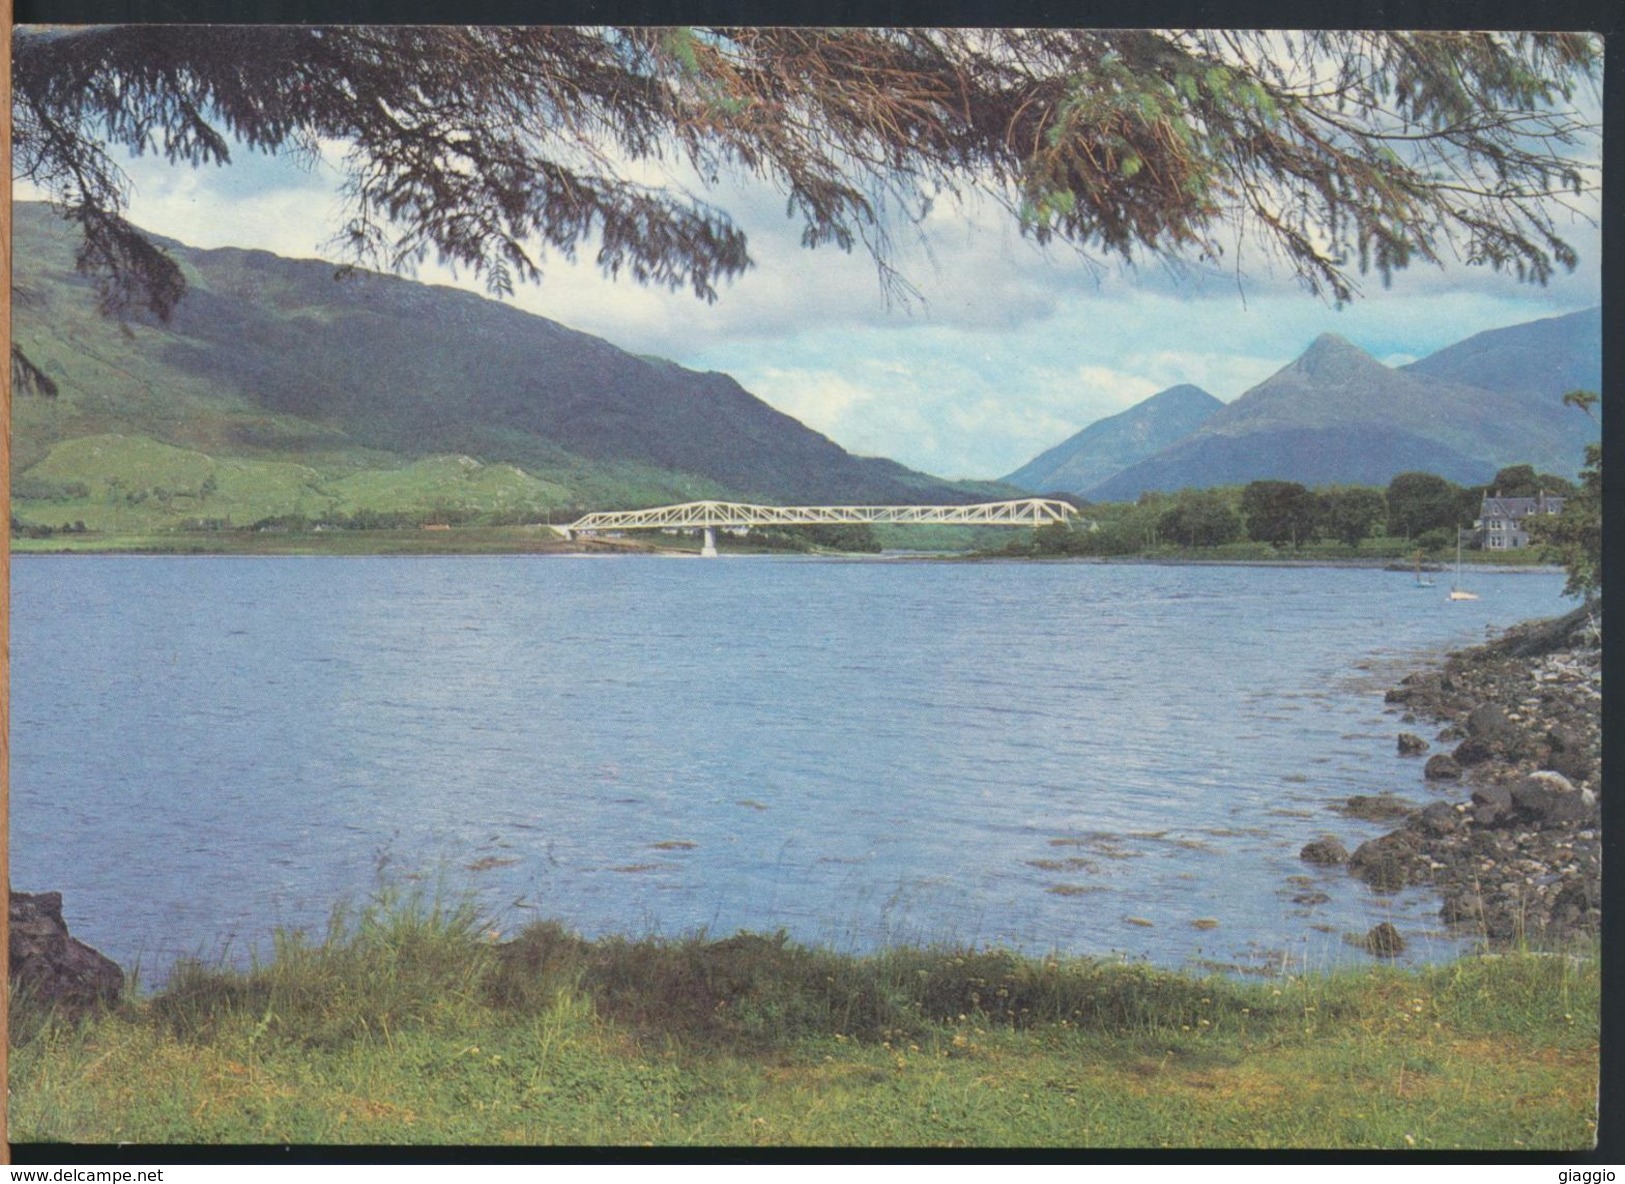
{"points": [[1334, 357], [1331, 345], [1184, 393]]}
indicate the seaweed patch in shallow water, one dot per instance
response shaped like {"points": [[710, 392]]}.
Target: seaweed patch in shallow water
{"points": [[1070, 864], [1107, 846]]}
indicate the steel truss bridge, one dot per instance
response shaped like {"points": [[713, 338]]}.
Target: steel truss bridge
{"points": [[708, 515]]}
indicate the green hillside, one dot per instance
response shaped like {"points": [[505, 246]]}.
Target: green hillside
{"points": [[134, 484], [281, 388]]}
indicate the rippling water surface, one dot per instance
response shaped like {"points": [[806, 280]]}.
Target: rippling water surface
{"points": [[1073, 757]]}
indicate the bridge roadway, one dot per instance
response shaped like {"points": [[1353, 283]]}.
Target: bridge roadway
{"points": [[708, 515]]}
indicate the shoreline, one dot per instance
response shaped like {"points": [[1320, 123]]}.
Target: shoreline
{"points": [[1517, 727], [1375, 563], [413, 547]]}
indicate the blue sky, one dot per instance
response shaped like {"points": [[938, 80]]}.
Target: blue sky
{"points": [[1009, 351]]}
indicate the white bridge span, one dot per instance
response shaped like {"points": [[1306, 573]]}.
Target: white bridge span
{"points": [[708, 515]]}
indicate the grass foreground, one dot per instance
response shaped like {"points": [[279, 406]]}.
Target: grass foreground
{"points": [[409, 1023]]}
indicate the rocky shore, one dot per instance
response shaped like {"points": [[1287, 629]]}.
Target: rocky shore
{"points": [[52, 966], [1517, 857]]}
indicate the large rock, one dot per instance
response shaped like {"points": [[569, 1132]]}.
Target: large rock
{"points": [[50, 965], [1491, 736], [1550, 799], [1489, 723], [1441, 766], [1410, 744], [1391, 862], [1423, 686], [1324, 851], [1474, 750], [1568, 755], [1564, 739], [1545, 637], [1437, 819], [1385, 941], [1576, 766], [1492, 805]]}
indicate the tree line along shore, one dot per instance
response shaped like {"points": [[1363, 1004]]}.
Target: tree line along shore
{"points": [[1417, 516]]}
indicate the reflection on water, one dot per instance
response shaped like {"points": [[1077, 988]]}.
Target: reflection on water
{"points": [[1073, 757]]}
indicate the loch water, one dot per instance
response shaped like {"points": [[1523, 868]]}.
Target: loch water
{"points": [[1092, 759]]}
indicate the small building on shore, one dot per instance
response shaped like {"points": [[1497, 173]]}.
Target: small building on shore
{"points": [[1503, 521]]}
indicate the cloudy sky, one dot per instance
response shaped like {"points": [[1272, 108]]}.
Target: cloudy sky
{"points": [[1009, 350]]}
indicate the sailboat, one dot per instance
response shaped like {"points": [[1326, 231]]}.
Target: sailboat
{"points": [[1457, 592], [1422, 581]]}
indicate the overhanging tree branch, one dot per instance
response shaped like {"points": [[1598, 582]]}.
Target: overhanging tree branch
{"points": [[485, 147]]}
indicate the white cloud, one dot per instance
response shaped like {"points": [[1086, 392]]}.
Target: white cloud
{"points": [[256, 201], [820, 399]]}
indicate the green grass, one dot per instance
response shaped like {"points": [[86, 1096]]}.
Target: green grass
{"points": [[462, 540], [133, 484], [408, 1023]]}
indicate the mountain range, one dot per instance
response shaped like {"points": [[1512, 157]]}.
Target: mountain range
{"points": [[1336, 415], [278, 360], [288, 387], [1109, 445]]}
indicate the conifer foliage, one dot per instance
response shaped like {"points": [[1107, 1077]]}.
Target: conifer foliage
{"points": [[489, 147]]}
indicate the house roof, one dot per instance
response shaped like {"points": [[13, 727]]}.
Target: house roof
{"points": [[1518, 507]]}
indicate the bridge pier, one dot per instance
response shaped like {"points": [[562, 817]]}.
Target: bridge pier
{"points": [[708, 550]]}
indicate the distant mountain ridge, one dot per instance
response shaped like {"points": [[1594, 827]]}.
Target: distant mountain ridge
{"points": [[280, 361], [1106, 446], [1336, 415], [1551, 356], [266, 355]]}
